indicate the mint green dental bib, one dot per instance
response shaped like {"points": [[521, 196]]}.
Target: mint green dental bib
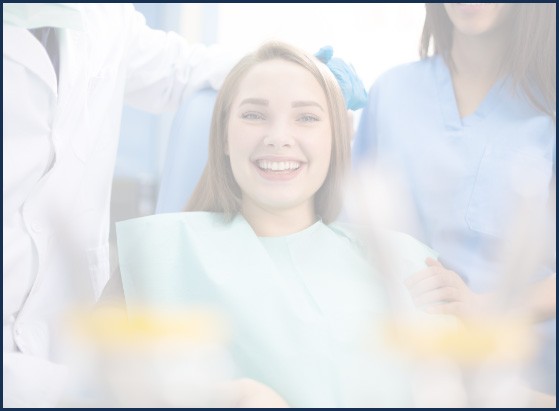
{"points": [[305, 310]]}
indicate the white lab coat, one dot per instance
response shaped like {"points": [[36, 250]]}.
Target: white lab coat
{"points": [[59, 148]]}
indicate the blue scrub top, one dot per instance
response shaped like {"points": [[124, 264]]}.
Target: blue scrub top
{"points": [[465, 176]]}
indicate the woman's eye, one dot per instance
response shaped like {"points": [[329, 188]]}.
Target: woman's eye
{"points": [[308, 118], [253, 115]]}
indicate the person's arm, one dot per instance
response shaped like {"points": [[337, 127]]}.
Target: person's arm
{"points": [[163, 68], [438, 290], [113, 293]]}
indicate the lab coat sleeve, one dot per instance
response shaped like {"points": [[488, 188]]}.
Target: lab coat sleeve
{"points": [[113, 293], [31, 381], [162, 67]]}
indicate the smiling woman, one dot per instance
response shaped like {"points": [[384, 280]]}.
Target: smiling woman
{"points": [[259, 243], [279, 142]]}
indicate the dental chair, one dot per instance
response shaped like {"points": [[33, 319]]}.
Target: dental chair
{"points": [[187, 151]]}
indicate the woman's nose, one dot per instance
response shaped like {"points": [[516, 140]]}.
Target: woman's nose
{"points": [[279, 135]]}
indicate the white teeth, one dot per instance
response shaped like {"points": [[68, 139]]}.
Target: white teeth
{"points": [[278, 165]]}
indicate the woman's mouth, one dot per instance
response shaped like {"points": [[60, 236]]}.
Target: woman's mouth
{"points": [[278, 170]]}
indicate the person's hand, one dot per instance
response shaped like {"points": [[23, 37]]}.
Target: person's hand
{"points": [[437, 290], [541, 299], [354, 92]]}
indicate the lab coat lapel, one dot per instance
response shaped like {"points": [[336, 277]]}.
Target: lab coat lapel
{"points": [[21, 46], [73, 47]]}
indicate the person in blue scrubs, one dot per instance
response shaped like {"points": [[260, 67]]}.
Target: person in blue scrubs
{"points": [[470, 131]]}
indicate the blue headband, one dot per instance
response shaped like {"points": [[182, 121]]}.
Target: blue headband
{"points": [[352, 87]]}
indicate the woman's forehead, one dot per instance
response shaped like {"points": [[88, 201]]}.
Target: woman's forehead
{"points": [[279, 78]]}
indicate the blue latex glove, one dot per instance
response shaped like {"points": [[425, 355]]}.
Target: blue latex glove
{"points": [[352, 87]]}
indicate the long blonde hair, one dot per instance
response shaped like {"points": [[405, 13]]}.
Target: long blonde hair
{"points": [[217, 189]]}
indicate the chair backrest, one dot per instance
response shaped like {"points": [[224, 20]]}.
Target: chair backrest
{"points": [[187, 151]]}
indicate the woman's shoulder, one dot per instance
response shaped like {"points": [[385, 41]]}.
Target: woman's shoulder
{"points": [[414, 73], [351, 234], [344, 230], [396, 251], [165, 234], [405, 246]]}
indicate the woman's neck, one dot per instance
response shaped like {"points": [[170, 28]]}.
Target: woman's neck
{"points": [[478, 56], [277, 223], [476, 66]]}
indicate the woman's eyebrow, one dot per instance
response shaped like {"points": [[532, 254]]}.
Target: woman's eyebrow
{"points": [[257, 101], [305, 104]]}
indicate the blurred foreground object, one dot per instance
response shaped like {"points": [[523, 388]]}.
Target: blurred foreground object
{"points": [[477, 360], [148, 358], [477, 340]]}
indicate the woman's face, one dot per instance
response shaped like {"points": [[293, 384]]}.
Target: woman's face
{"points": [[279, 137], [473, 19]]}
